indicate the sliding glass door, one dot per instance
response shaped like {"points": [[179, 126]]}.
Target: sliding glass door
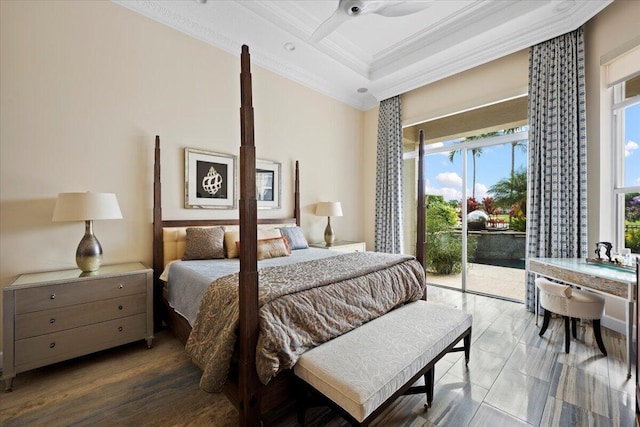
{"points": [[475, 213]]}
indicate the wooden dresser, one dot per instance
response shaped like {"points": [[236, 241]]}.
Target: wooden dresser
{"points": [[54, 316]]}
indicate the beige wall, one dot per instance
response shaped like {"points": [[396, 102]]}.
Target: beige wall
{"points": [[86, 86], [611, 29], [495, 81]]}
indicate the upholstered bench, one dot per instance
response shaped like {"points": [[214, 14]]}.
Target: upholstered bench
{"points": [[365, 370]]}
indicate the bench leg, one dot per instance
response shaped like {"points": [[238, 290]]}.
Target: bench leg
{"points": [[574, 327], [428, 382], [467, 348]]}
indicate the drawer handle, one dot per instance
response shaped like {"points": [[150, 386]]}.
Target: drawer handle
{"points": [[121, 286], [51, 345], [120, 307], [53, 296], [52, 321], [120, 328]]}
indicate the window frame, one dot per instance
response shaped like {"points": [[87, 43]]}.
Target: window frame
{"points": [[619, 104]]}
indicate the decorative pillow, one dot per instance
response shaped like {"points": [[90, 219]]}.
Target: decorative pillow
{"points": [[231, 237], [294, 237], [204, 243], [270, 248], [286, 243]]}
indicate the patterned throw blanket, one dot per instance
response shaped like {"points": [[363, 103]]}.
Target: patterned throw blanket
{"points": [[301, 306]]}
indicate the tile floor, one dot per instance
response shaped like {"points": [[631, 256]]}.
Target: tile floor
{"points": [[516, 377]]}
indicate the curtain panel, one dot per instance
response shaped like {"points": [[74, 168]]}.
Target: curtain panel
{"points": [[388, 220], [557, 191]]}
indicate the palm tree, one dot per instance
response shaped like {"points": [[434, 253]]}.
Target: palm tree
{"points": [[522, 145], [475, 152], [511, 191]]}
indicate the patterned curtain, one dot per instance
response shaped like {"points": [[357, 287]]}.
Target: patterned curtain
{"points": [[388, 227], [557, 193]]}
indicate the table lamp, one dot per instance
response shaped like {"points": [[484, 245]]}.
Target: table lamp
{"points": [[329, 209], [87, 207]]}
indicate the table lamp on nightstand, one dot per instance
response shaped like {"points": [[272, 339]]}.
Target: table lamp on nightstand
{"points": [[328, 209], [87, 207]]}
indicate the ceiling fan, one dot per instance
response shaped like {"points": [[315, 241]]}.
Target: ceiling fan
{"points": [[350, 9]]}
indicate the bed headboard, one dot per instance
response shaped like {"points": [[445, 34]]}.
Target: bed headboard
{"points": [[174, 239]]}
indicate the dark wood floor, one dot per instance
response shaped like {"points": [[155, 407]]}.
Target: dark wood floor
{"points": [[515, 378]]}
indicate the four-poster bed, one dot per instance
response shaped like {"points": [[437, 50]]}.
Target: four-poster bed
{"points": [[243, 385]]}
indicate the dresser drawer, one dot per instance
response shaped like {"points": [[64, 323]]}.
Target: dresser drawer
{"points": [[61, 295], [45, 349], [54, 320]]}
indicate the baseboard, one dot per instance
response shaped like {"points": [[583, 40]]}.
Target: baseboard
{"points": [[615, 324]]}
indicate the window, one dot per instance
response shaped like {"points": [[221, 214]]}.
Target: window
{"points": [[626, 165]]}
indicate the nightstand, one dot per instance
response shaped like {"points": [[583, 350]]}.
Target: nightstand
{"points": [[58, 315], [342, 246]]}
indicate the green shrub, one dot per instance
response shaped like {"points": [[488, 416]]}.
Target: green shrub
{"points": [[443, 246], [444, 253], [518, 224], [632, 240]]}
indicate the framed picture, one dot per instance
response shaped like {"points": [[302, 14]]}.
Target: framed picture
{"points": [[268, 187], [210, 180]]}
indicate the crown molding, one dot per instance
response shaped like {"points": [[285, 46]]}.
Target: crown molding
{"points": [[473, 54]]}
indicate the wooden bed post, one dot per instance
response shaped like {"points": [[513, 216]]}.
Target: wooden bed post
{"points": [[296, 196], [250, 386], [158, 249]]}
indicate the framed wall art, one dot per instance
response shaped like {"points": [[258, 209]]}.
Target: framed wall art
{"points": [[268, 189], [210, 180]]}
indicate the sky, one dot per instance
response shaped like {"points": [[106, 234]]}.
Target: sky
{"points": [[444, 177], [632, 146]]}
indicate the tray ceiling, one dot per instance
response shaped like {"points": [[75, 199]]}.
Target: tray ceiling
{"points": [[371, 57]]}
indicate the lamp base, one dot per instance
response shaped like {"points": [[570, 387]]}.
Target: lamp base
{"points": [[89, 252], [329, 237]]}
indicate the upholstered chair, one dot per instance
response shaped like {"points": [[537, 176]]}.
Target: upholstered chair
{"points": [[572, 304]]}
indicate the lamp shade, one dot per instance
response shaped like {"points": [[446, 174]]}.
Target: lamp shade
{"points": [[86, 206], [329, 209]]}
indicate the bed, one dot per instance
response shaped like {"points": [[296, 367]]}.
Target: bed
{"points": [[236, 324]]}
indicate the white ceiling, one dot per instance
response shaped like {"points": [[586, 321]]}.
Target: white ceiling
{"points": [[386, 55]]}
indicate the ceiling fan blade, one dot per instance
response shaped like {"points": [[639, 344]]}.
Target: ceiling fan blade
{"points": [[402, 8], [328, 26]]}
